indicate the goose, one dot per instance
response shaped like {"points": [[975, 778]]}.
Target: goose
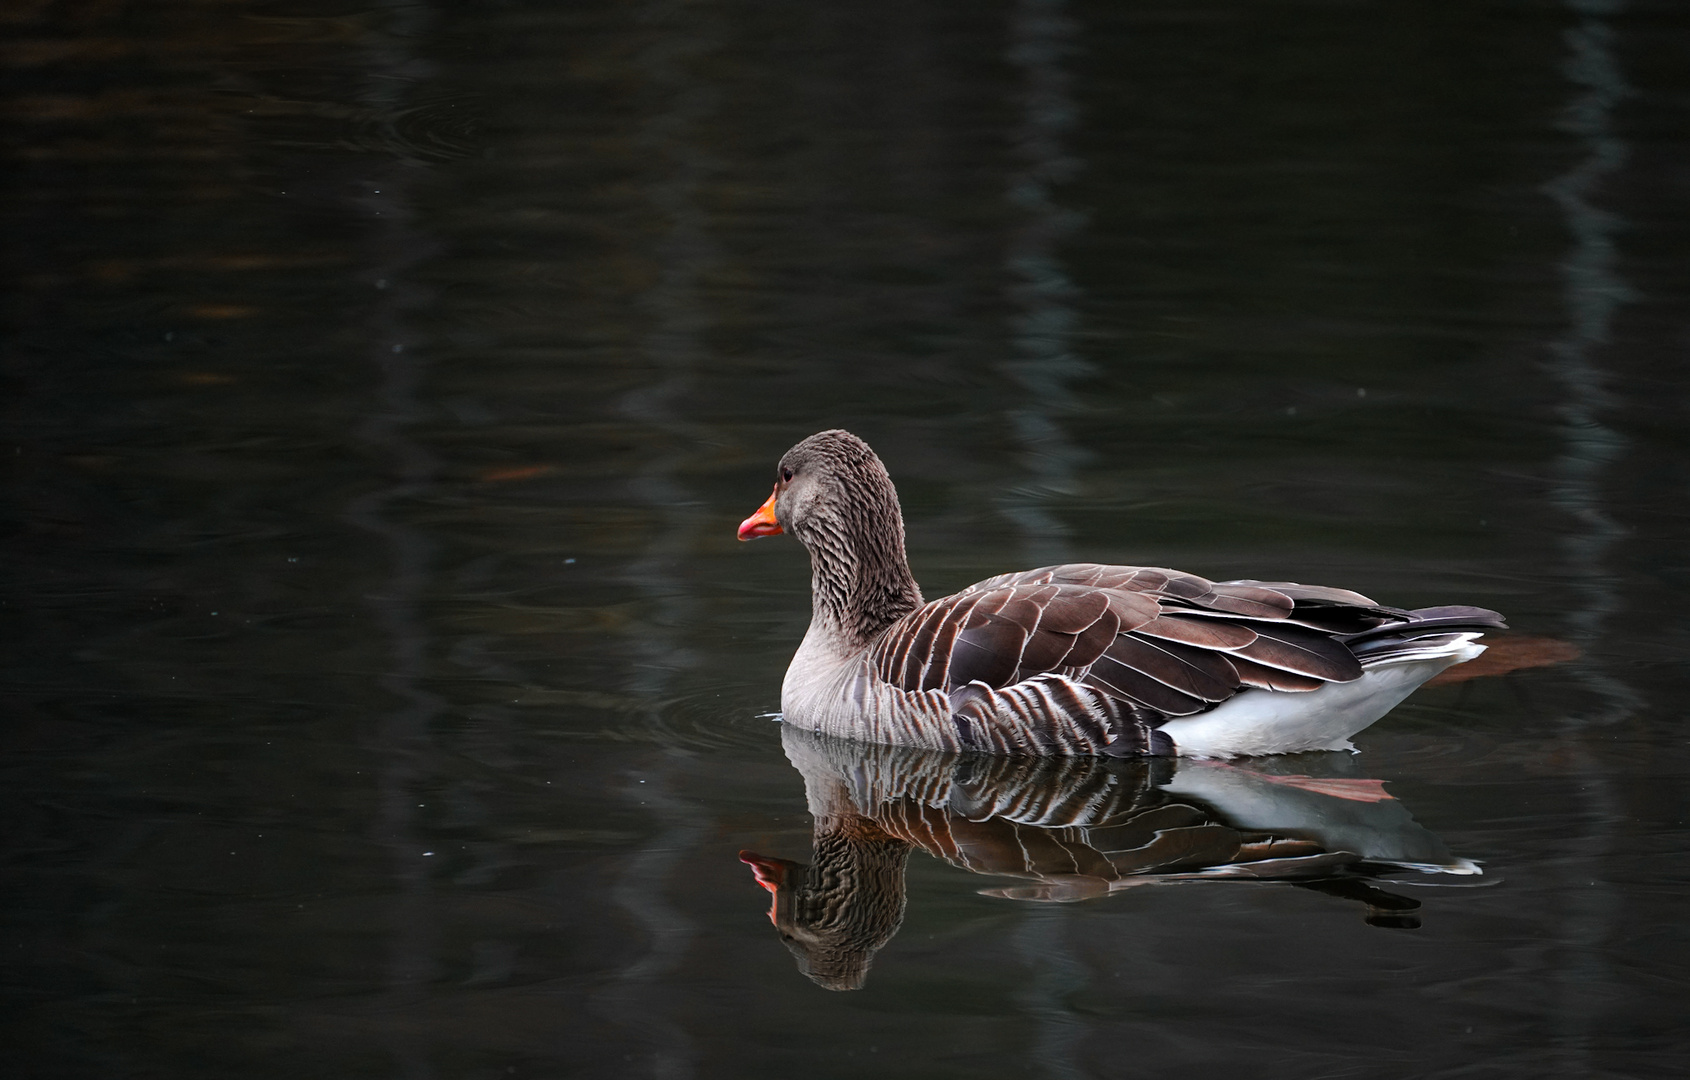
{"points": [[1082, 658]]}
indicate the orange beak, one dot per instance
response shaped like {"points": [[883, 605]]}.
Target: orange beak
{"points": [[772, 875], [763, 522]]}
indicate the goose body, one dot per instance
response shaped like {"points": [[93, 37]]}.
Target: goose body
{"points": [[1081, 658]]}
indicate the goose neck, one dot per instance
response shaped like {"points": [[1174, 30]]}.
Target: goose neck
{"points": [[859, 586]]}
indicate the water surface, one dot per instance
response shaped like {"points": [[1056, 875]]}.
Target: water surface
{"points": [[385, 692]]}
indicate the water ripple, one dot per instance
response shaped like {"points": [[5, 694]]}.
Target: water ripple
{"points": [[444, 128]]}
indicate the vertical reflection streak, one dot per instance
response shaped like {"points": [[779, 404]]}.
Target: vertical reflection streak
{"points": [[1041, 36], [402, 737], [1058, 975], [672, 347], [1594, 290]]}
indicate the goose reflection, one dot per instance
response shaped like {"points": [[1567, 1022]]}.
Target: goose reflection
{"points": [[1073, 829]]}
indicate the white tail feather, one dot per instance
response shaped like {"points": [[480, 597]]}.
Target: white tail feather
{"points": [[1261, 721]]}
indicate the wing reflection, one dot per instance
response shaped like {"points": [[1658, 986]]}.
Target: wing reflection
{"points": [[1073, 829]]}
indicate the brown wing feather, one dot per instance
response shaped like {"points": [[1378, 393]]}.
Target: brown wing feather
{"points": [[1045, 651], [1161, 640], [1302, 652], [1183, 585], [1308, 592], [936, 664], [914, 652], [1248, 600], [1253, 674], [910, 645], [1154, 580], [1200, 673], [1069, 611], [988, 650], [1002, 635], [1060, 626], [1125, 680], [1067, 614], [1343, 619], [1133, 609], [1145, 579], [1201, 632], [1091, 642]]}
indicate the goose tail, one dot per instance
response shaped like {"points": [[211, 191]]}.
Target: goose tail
{"points": [[1395, 660]]}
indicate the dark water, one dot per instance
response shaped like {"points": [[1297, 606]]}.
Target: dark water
{"points": [[385, 693]]}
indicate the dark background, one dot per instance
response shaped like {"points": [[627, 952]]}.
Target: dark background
{"points": [[382, 384]]}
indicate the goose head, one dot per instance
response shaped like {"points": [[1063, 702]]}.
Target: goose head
{"points": [[834, 914], [834, 496], [828, 488]]}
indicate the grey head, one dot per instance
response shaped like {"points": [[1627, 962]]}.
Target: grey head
{"points": [[833, 486], [834, 914], [834, 496]]}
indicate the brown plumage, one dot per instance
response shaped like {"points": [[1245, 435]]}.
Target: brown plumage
{"points": [[1081, 658]]}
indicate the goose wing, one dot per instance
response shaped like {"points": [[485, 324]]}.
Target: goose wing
{"points": [[1161, 642]]}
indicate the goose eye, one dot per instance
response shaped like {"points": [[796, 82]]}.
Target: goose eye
{"points": [[786, 475]]}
